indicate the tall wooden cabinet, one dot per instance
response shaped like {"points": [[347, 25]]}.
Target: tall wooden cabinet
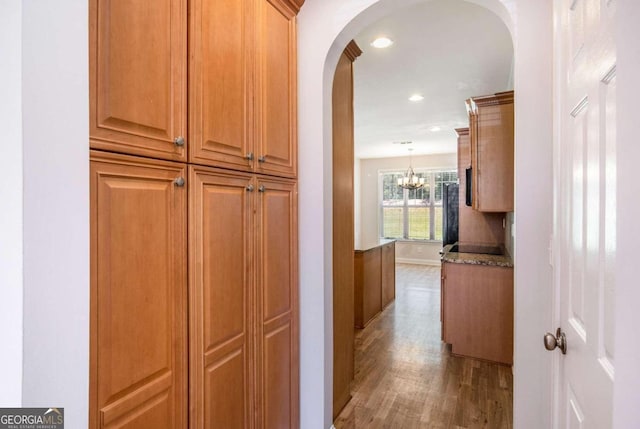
{"points": [[243, 325], [138, 293], [222, 294], [343, 228], [221, 83], [193, 125], [276, 147], [138, 77], [277, 362], [242, 103]]}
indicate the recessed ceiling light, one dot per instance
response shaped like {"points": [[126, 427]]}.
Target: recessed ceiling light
{"points": [[382, 42], [435, 129], [416, 97]]}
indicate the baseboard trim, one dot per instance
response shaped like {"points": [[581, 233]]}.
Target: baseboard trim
{"points": [[432, 262]]}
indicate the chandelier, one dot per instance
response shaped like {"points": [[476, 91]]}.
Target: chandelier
{"points": [[410, 179]]}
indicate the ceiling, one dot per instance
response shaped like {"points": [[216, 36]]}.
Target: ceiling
{"points": [[445, 50]]}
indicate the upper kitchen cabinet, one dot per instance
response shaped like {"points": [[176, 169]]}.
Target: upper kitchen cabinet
{"points": [[491, 135], [276, 134], [221, 83], [242, 78], [138, 77]]}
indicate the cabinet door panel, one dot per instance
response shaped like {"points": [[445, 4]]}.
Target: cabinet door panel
{"points": [[478, 311], [138, 294], [277, 304], [492, 149], [278, 394], [220, 82], [277, 107], [221, 299], [138, 77], [388, 269]]}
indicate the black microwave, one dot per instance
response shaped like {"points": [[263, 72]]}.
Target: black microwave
{"points": [[467, 192]]}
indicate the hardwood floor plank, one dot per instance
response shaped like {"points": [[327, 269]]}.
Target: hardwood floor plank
{"points": [[405, 377]]}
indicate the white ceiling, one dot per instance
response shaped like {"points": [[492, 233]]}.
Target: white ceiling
{"points": [[446, 50]]}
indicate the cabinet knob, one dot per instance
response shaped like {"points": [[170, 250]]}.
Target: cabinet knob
{"points": [[249, 156], [249, 188], [262, 159], [179, 141], [262, 188], [179, 182]]}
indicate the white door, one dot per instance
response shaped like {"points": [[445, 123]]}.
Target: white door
{"points": [[585, 211]]}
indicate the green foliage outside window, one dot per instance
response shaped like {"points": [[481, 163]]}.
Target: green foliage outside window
{"points": [[413, 214]]}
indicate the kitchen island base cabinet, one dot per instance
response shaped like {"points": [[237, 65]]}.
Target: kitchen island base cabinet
{"points": [[374, 281], [478, 311]]}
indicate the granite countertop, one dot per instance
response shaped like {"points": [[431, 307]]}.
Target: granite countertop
{"points": [[503, 260]]}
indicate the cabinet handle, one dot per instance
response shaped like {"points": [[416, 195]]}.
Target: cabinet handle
{"points": [[179, 182], [262, 188], [262, 158], [249, 188], [249, 156], [179, 141]]}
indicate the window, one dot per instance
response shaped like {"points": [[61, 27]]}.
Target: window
{"points": [[413, 214]]}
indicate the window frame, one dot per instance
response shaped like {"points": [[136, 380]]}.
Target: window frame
{"points": [[431, 174]]}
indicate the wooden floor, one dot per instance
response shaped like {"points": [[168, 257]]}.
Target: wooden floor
{"points": [[405, 377]]}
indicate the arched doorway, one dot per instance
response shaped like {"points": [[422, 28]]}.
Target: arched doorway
{"points": [[326, 26]]}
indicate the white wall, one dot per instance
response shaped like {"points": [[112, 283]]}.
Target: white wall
{"points": [[411, 252], [533, 213], [626, 413], [11, 197], [56, 207]]}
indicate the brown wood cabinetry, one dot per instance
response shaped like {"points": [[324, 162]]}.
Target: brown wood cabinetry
{"points": [[240, 152], [478, 311], [222, 295], [243, 271], [343, 229], [138, 374], [373, 281], [276, 147], [221, 34], [138, 77], [242, 105], [277, 303], [474, 226], [388, 273], [491, 135], [242, 82], [368, 286]]}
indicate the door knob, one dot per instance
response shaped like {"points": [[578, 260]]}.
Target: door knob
{"points": [[249, 188], [262, 158], [249, 156], [179, 181], [179, 141], [558, 340]]}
